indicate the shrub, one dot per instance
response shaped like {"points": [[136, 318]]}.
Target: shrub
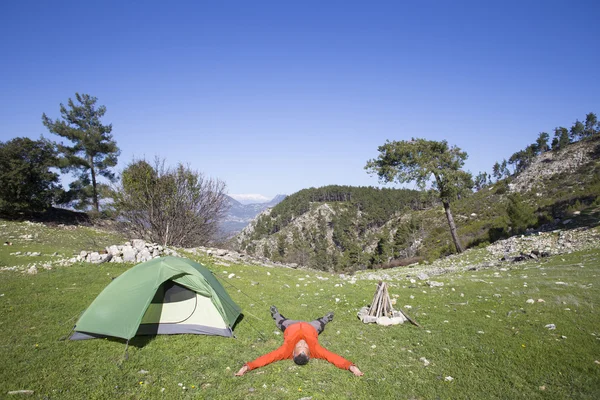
{"points": [[520, 214]]}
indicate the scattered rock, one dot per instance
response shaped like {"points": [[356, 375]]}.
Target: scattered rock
{"points": [[550, 327], [424, 361], [384, 321], [32, 270], [435, 283]]}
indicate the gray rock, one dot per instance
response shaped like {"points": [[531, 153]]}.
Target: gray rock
{"points": [[138, 244], [83, 254], [435, 283], [144, 255], [384, 321], [32, 270], [94, 257], [128, 254], [423, 276], [114, 250], [368, 319]]}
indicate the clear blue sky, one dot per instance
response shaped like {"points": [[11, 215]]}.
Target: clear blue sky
{"points": [[274, 97]]}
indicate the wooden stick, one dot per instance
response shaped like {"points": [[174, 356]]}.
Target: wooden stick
{"points": [[373, 304], [412, 321], [381, 299], [376, 300]]}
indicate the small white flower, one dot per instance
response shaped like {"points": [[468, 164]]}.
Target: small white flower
{"points": [[448, 379]]}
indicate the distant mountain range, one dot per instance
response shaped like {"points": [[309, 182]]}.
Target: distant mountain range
{"points": [[240, 215]]}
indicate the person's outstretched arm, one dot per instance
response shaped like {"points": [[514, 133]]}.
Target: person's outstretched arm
{"points": [[337, 360], [279, 354], [354, 369], [242, 371]]}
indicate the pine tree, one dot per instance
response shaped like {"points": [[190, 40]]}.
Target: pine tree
{"points": [[92, 151]]}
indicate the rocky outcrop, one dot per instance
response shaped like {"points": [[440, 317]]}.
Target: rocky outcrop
{"points": [[543, 244], [552, 163], [498, 255]]}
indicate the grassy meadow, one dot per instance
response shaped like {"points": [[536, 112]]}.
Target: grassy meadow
{"points": [[480, 338]]}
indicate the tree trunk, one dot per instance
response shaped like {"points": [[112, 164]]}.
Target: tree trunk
{"points": [[455, 238], [94, 188]]}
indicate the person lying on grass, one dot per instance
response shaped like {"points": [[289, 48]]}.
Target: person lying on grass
{"points": [[300, 343]]}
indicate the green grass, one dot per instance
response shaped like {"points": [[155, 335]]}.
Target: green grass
{"points": [[53, 243], [514, 357]]}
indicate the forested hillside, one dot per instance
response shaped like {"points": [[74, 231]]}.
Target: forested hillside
{"points": [[327, 227], [348, 228]]}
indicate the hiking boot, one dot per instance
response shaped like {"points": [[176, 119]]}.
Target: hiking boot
{"points": [[274, 310], [328, 317]]}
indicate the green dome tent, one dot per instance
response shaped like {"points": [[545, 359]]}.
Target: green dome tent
{"points": [[167, 295]]}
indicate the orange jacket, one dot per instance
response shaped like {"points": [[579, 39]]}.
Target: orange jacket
{"points": [[292, 335]]}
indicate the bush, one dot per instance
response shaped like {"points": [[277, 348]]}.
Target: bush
{"points": [[171, 206], [520, 214]]}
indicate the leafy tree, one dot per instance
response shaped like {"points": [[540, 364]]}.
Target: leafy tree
{"points": [[542, 143], [523, 158], [521, 215], [281, 245], [421, 161], [173, 206], [561, 138], [500, 171], [481, 180], [577, 131], [27, 182], [92, 151], [380, 255], [405, 237], [591, 124]]}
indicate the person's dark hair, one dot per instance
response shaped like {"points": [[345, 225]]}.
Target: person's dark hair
{"points": [[301, 359]]}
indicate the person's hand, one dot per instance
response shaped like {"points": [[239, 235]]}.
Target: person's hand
{"points": [[242, 371], [354, 369]]}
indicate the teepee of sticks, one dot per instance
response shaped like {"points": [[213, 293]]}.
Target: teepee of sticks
{"points": [[381, 310], [381, 306]]}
